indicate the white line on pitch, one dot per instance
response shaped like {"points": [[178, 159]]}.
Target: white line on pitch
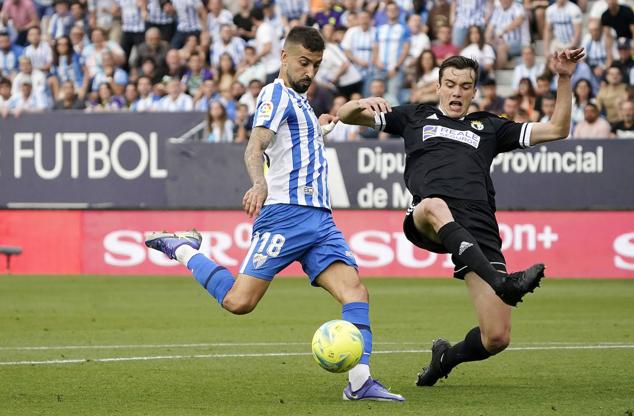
{"points": [[280, 354], [239, 344]]}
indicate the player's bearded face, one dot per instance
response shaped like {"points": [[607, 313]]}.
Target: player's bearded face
{"points": [[456, 91], [300, 66]]}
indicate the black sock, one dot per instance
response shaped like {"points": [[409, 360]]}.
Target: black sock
{"points": [[465, 248], [471, 349]]}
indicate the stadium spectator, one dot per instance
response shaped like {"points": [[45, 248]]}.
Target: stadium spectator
{"points": [[5, 95], [563, 26], [438, 16], [78, 39], [609, 95], [175, 100], [582, 95], [510, 107], [110, 74], [27, 99], [226, 73], [548, 107], [330, 15], [250, 69], [267, 45], [242, 124], [69, 100], [154, 48], [192, 45], [145, 97], [443, 47], [160, 15], [419, 41], [528, 68], [625, 60], [206, 94], [467, 13], [219, 127], [251, 96], [473, 107], [242, 20], [595, 45], [624, 129], [9, 56], [227, 43], [389, 52], [133, 14], [504, 31], [273, 18], [105, 100], [195, 74], [40, 52], [216, 18], [175, 67], [79, 15], [480, 52], [66, 66], [526, 97], [490, 100], [130, 95], [357, 45], [93, 52], [341, 132], [148, 69], [593, 125], [61, 21], [617, 17], [36, 77], [22, 15], [335, 69], [191, 17], [293, 10], [424, 90]]}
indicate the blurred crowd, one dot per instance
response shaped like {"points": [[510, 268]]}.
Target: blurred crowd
{"points": [[214, 56]]}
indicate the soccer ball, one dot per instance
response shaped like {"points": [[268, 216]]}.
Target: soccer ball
{"points": [[337, 346]]}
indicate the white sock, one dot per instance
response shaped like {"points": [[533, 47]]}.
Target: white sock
{"points": [[358, 375], [184, 253]]}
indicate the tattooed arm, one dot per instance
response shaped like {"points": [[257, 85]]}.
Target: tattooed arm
{"points": [[254, 198]]}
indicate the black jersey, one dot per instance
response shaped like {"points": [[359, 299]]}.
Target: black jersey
{"points": [[450, 157]]}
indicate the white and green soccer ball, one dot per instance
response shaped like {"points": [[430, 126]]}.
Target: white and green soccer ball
{"points": [[337, 346]]}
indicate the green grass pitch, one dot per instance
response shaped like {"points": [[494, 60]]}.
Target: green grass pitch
{"points": [[162, 346]]}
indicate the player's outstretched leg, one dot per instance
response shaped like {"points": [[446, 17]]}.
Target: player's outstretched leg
{"points": [[183, 247]]}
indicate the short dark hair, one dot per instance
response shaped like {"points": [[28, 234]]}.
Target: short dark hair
{"points": [[257, 14], [306, 36], [459, 62], [549, 96]]}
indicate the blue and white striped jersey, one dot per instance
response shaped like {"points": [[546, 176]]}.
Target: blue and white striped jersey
{"points": [[359, 44], [390, 39], [470, 12], [131, 17], [293, 9], [502, 18], [235, 48], [156, 15], [563, 20], [298, 170], [187, 15], [41, 55]]}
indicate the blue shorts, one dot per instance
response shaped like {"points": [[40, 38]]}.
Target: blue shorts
{"points": [[284, 233]]}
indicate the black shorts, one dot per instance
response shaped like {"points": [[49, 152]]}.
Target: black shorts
{"points": [[477, 217]]}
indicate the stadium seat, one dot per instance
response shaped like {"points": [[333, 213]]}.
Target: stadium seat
{"points": [[9, 251]]}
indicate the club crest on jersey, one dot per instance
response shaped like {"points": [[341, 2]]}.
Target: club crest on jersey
{"points": [[259, 260], [467, 137], [477, 124]]}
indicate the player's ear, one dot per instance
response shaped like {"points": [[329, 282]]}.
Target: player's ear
{"points": [[284, 57]]}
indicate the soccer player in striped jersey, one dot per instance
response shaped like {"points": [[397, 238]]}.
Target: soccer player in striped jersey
{"points": [[292, 208]]}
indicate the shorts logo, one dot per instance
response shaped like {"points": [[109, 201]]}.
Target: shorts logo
{"points": [[467, 137], [259, 260], [477, 124], [463, 247], [349, 254], [308, 190]]}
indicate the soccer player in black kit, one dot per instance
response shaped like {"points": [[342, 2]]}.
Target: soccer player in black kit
{"points": [[449, 154]]}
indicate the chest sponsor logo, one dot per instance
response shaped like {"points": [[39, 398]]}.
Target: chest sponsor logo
{"points": [[467, 137]]}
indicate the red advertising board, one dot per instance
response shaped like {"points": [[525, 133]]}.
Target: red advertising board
{"points": [[572, 244]]}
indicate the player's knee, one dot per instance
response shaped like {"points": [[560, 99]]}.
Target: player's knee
{"points": [[355, 292], [430, 210], [237, 305], [496, 341]]}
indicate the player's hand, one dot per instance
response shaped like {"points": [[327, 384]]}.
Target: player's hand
{"points": [[566, 60], [327, 119], [375, 105], [254, 199]]}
